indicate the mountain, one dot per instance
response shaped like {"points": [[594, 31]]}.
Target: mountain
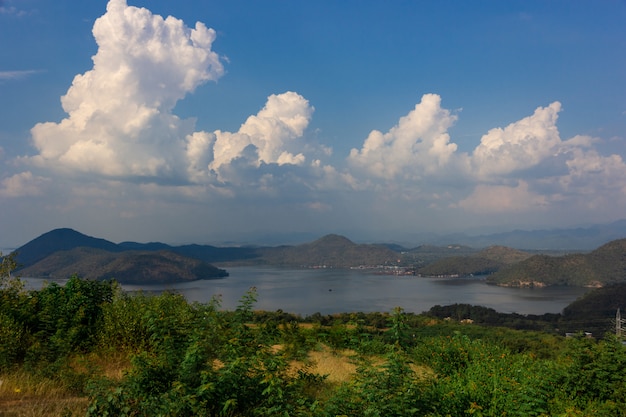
{"points": [[64, 252], [332, 251], [483, 262], [128, 267], [56, 240], [563, 239], [66, 239], [604, 266]]}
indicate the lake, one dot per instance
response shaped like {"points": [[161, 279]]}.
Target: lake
{"points": [[327, 291]]}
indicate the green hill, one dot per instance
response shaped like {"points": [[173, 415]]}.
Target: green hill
{"points": [[332, 251], [483, 262], [128, 267], [605, 265], [58, 240]]}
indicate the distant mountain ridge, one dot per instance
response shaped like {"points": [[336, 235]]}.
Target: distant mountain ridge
{"points": [[55, 253], [63, 252], [571, 239]]}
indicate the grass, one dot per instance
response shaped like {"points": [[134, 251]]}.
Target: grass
{"points": [[339, 366], [25, 395]]}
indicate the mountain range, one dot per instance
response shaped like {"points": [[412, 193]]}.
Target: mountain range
{"points": [[63, 252]]}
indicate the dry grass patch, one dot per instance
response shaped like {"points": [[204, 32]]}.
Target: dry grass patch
{"points": [[338, 366], [23, 395], [110, 364]]}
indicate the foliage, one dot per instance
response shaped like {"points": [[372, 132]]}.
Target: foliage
{"points": [[50, 324], [473, 377], [129, 267], [196, 359], [592, 378], [197, 365]]}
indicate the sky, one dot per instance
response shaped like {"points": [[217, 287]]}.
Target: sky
{"points": [[237, 121]]}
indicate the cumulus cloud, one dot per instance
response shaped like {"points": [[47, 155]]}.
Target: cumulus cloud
{"points": [[272, 136], [283, 119], [523, 167], [521, 145], [120, 122], [119, 113], [419, 144], [121, 141], [22, 184]]}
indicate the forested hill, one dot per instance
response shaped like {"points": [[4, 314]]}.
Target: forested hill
{"points": [[605, 265], [127, 267], [58, 240], [63, 252], [330, 251], [483, 262]]}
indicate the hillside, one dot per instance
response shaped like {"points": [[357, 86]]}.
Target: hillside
{"points": [[65, 239], [129, 267], [331, 251], [605, 265], [63, 252], [483, 262], [58, 240]]}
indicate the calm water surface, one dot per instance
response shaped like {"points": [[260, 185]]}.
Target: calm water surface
{"points": [[330, 291]]}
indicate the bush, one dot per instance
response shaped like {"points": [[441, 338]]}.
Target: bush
{"points": [[12, 342]]}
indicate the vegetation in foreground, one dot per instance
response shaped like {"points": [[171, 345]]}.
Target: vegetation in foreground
{"points": [[87, 348]]}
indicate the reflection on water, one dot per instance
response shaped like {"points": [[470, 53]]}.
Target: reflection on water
{"points": [[330, 291]]}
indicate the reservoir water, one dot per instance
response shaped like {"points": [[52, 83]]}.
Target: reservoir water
{"points": [[327, 291]]}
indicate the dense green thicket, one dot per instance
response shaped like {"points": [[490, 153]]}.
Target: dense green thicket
{"points": [[198, 360]]}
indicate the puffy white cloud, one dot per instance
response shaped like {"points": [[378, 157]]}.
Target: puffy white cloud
{"points": [[120, 122], [271, 137], [282, 120], [119, 113], [521, 145], [419, 144], [125, 150], [590, 172]]}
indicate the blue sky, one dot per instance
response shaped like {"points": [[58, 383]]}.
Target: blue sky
{"points": [[377, 120]]}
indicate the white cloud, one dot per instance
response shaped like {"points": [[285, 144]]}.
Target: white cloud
{"points": [[590, 172], [120, 122], [119, 113], [419, 144], [269, 133], [499, 198], [520, 145], [22, 184], [124, 150]]}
